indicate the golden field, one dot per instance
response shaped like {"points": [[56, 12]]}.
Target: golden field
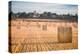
{"points": [[31, 35]]}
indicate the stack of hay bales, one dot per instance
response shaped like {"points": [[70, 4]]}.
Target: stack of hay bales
{"points": [[65, 34]]}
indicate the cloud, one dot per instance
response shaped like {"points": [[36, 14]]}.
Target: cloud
{"points": [[41, 7]]}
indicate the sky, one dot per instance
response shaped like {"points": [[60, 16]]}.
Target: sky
{"points": [[20, 6]]}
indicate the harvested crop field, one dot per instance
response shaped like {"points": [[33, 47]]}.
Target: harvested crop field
{"points": [[31, 35]]}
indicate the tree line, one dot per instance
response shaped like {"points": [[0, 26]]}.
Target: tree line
{"points": [[44, 15]]}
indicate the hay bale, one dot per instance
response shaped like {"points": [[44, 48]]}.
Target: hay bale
{"points": [[65, 34]]}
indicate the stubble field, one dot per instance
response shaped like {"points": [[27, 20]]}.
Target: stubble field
{"points": [[39, 35]]}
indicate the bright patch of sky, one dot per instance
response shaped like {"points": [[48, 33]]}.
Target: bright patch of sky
{"points": [[19, 6]]}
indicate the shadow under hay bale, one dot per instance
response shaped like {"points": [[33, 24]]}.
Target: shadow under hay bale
{"points": [[65, 34]]}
